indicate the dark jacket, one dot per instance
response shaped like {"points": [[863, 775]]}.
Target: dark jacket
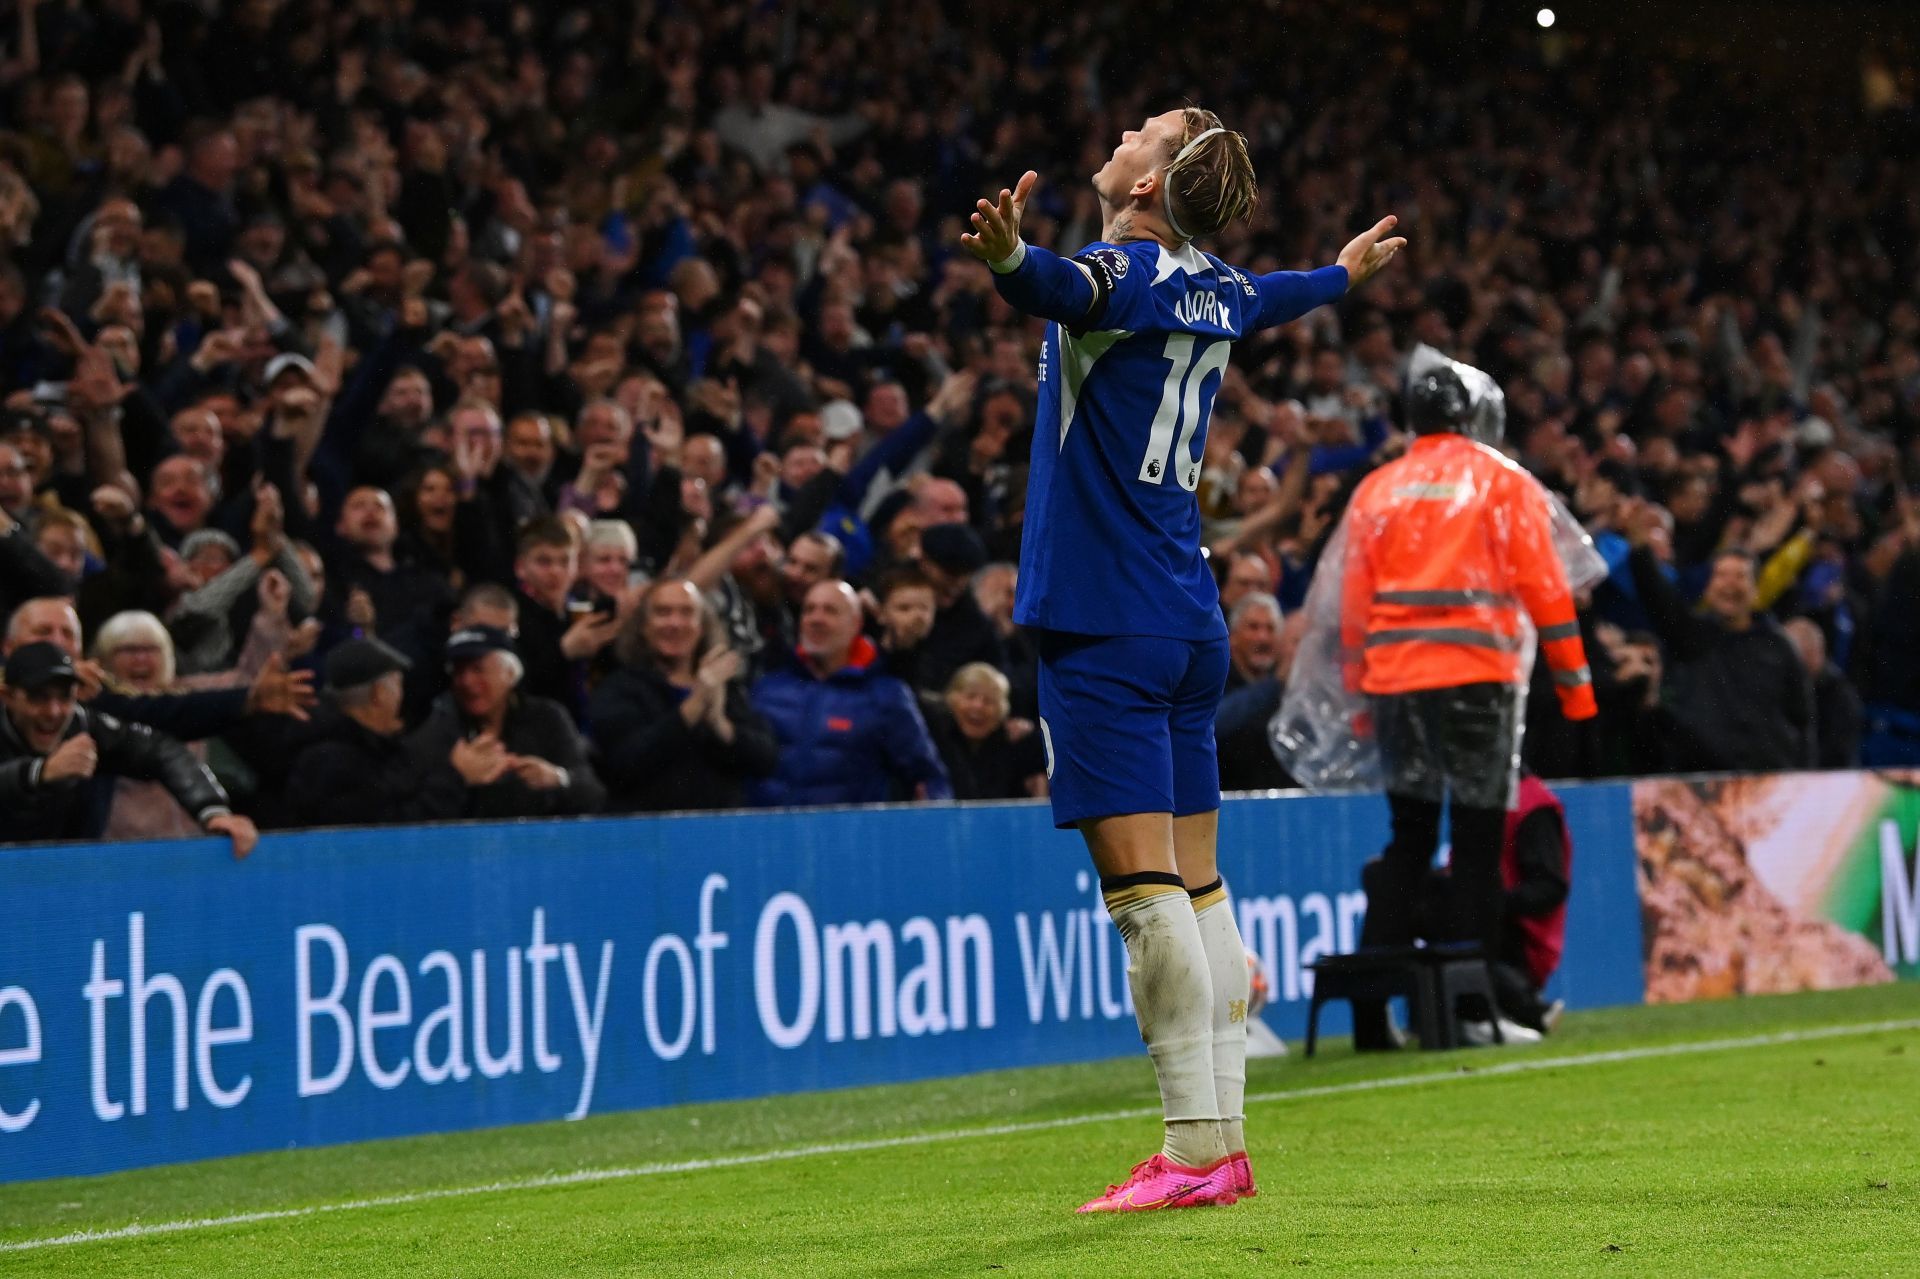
{"points": [[550, 672], [533, 726], [1742, 700], [77, 808], [995, 767], [354, 777], [655, 763], [961, 634], [1247, 761], [411, 602], [855, 737]]}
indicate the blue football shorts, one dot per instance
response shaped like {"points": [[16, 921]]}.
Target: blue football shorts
{"points": [[1127, 722]]}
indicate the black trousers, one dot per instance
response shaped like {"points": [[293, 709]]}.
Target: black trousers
{"points": [[1452, 743]]}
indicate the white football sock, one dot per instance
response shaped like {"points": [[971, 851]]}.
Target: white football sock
{"points": [[1227, 967], [1173, 999]]}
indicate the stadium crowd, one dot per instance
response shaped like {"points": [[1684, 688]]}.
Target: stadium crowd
{"points": [[429, 410]]}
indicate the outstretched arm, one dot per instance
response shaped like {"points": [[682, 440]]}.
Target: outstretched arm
{"points": [[1031, 280], [1288, 295]]}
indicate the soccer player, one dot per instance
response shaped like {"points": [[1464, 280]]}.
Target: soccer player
{"points": [[1133, 653]]}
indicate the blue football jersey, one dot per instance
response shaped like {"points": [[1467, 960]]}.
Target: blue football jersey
{"points": [[1111, 544]]}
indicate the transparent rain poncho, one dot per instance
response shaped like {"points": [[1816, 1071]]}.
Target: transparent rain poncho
{"points": [[1469, 534]]}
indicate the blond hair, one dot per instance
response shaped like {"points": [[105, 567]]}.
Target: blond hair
{"points": [[131, 627], [1210, 185], [977, 674]]}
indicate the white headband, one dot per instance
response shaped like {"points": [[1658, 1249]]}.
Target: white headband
{"points": [[1185, 151]]}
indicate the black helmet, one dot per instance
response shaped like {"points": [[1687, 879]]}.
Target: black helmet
{"points": [[1437, 400]]}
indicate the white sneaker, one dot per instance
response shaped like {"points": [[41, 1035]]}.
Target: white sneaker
{"points": [[1514, 1033], [1480, 1033]]}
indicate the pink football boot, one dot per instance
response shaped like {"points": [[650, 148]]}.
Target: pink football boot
{"points": [[1242, 1183], [1161, 1183]]}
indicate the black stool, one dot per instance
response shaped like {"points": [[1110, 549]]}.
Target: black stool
{"points": [[1456, 971], [1379, 973], [1432, 979]]}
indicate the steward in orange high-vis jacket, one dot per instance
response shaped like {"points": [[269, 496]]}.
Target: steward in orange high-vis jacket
{"points": [[1447, 547]]}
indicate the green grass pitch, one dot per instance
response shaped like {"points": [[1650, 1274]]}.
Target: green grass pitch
{"points": [[1763, 1137]]}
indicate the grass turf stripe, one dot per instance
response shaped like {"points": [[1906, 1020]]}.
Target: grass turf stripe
{"points": [[590, 1176]]}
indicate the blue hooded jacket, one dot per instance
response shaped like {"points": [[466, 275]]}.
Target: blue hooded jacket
{"points": [[854, 737]]}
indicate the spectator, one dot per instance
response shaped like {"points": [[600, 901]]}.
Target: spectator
{"points": [[607, 572], [1253, 640], [485, 605], [359, 770], [675, 727], [813, 557], [529, 453], [1248, 572], [987, 755], [65, 538], [1836, 707], [1247, 760], [408, 601], [59, 760], [1739, 694], [555, 639], [950, 554], [136, 654], [181, 498], [202, 620], [848, 733], [548, 774], [907, 605]]}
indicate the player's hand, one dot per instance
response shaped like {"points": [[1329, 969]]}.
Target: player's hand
{"points": [[996, 227], [1366, 253]]}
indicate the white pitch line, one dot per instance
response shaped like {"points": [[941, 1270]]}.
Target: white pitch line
{"points": [[590, 1176]]}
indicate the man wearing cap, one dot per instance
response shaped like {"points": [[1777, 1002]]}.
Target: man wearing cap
{"points": [[59, 759], [361, 772], [950, 554], [549, 774]]}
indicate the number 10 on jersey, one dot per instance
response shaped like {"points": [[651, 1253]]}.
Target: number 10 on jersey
{"points": [[1179, 412]]}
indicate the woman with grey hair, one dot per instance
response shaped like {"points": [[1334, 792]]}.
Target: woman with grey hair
{"points": [[137, 653]]}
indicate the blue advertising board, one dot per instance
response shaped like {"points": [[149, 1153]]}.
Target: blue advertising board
{"points": [[161, 1002]]}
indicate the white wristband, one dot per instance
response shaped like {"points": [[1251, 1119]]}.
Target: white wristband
{"points": [[1011, 263]]}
